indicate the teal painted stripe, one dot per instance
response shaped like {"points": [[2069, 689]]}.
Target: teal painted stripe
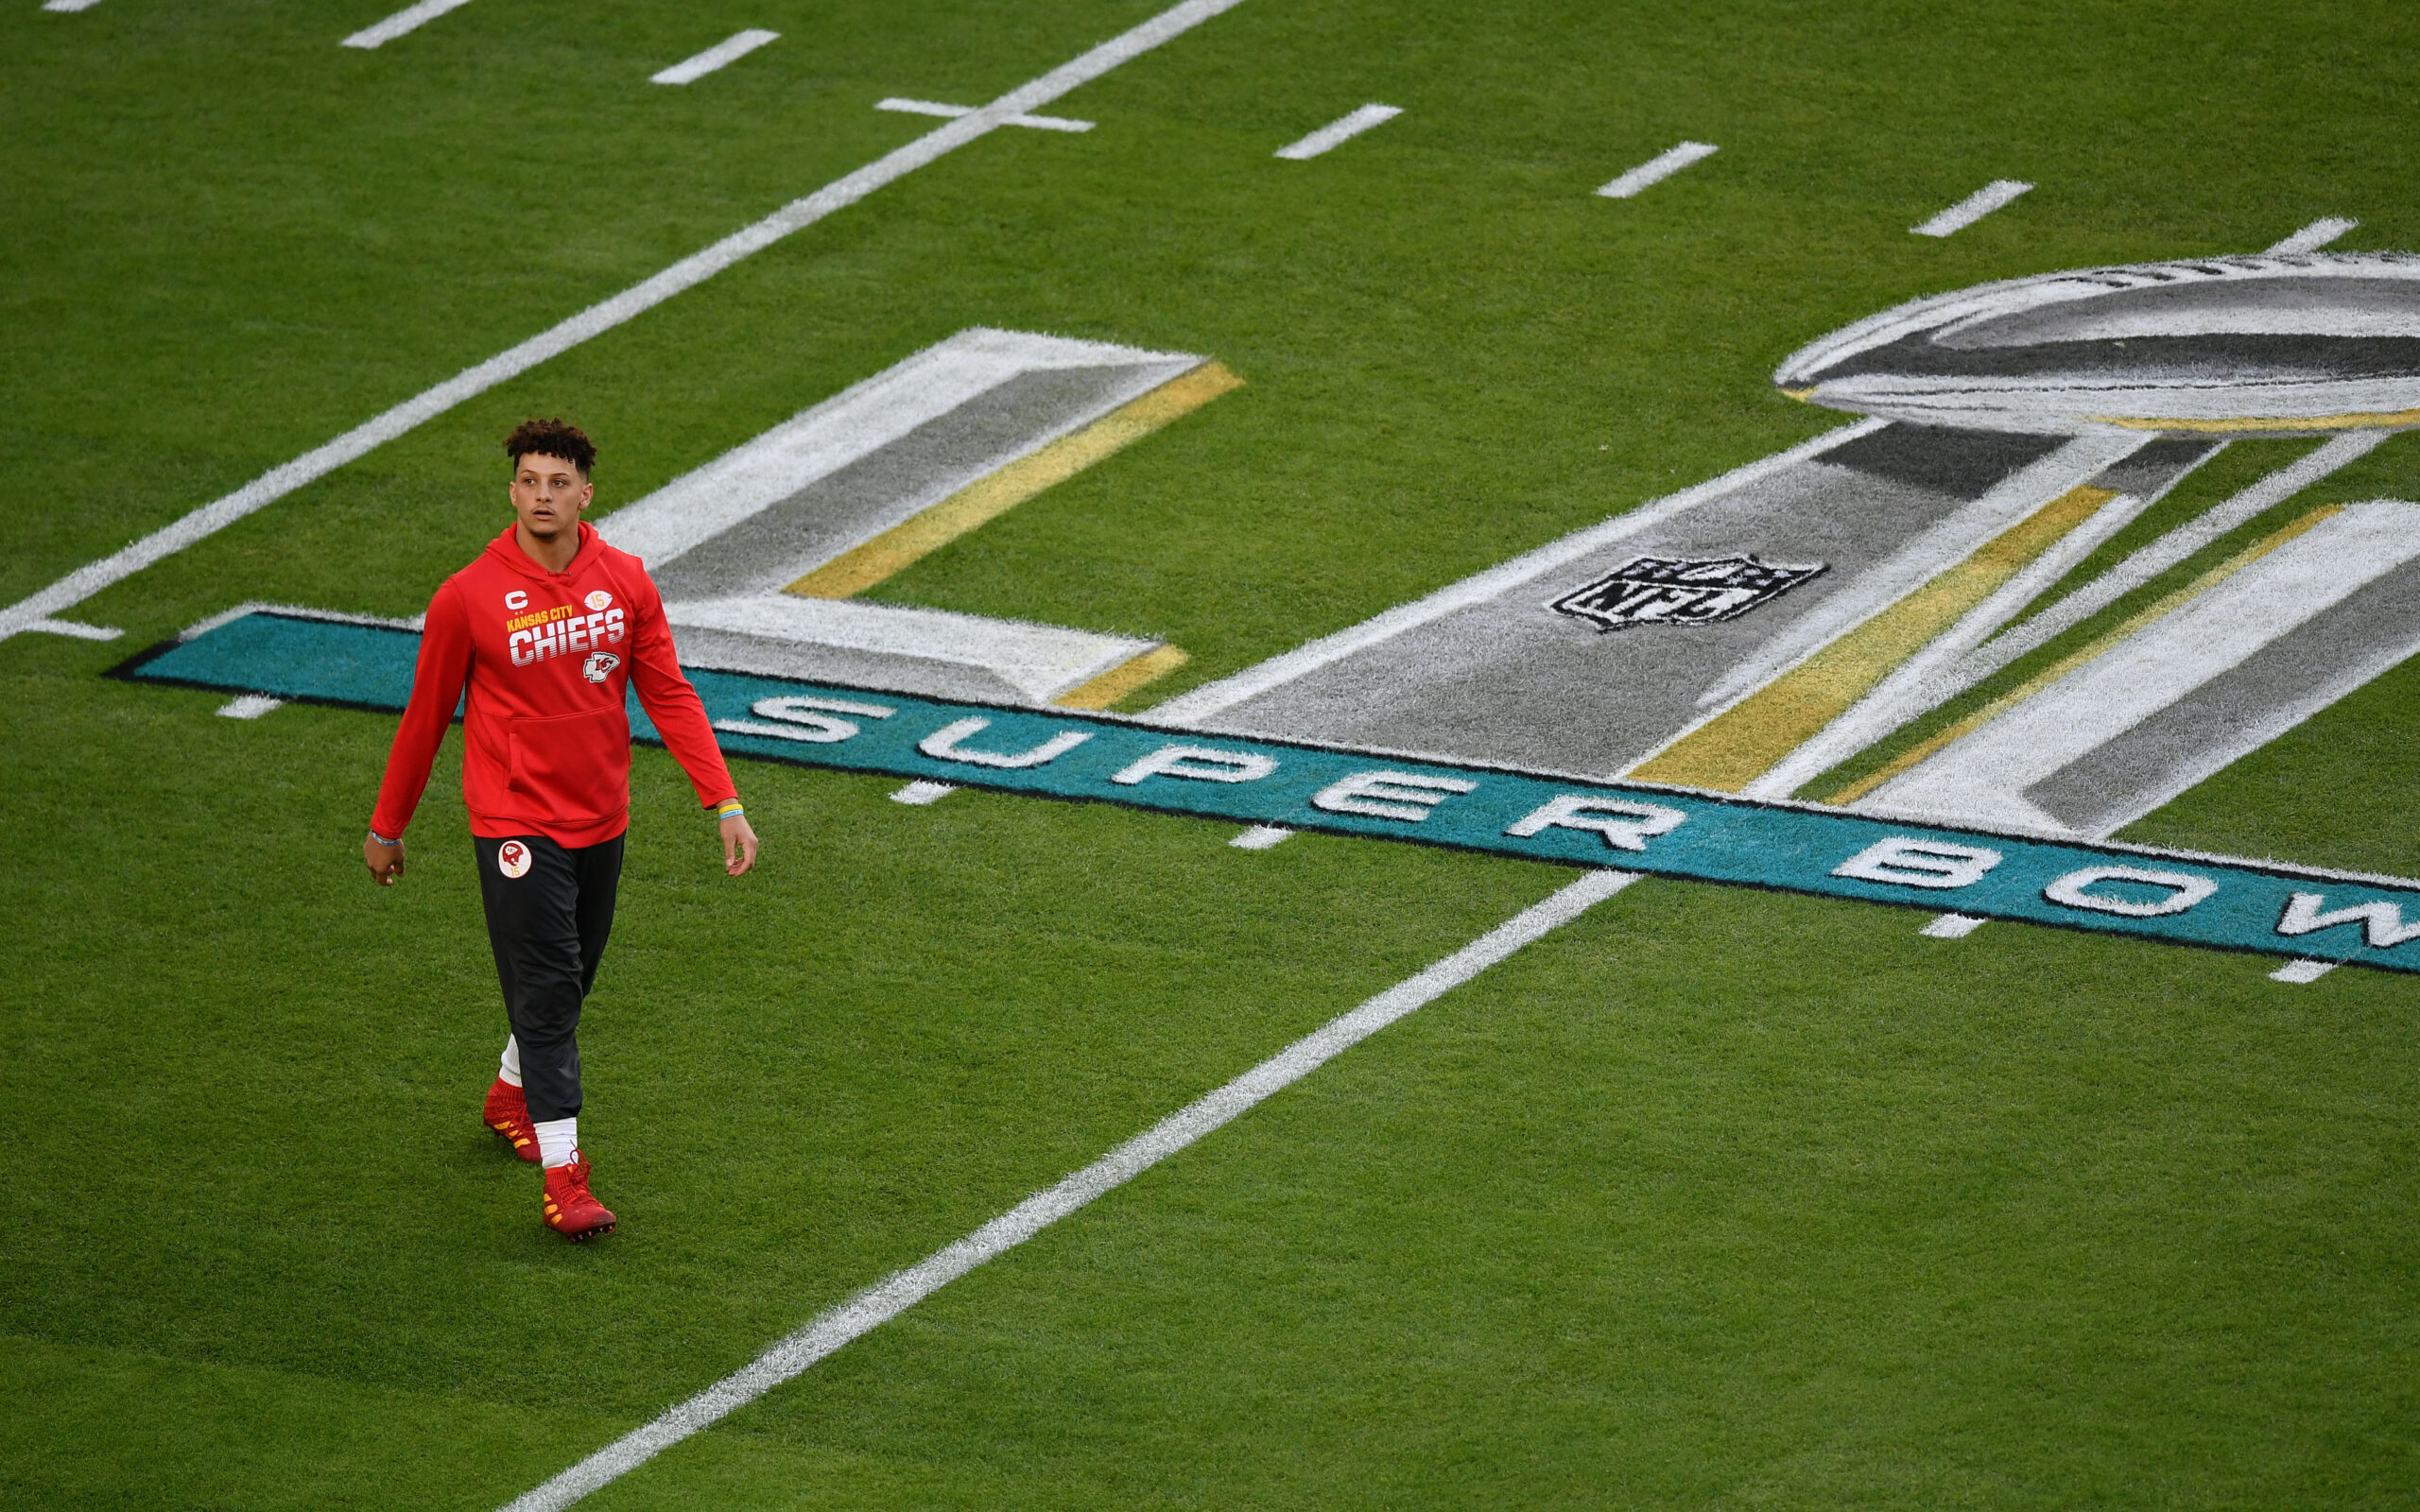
{"points": [[1762, 845]]}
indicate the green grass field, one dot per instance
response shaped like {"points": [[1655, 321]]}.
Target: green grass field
{"points": [[1714, 1198]]}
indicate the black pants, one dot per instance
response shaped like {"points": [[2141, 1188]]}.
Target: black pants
{"points": [[547, 927]]}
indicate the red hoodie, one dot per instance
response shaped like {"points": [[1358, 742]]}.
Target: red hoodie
{"points": [[546, 741]]}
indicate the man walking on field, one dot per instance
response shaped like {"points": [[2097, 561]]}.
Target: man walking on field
{"points": [[548, 627]]}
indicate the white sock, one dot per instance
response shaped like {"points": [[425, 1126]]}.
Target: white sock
{"points": [[558, 1141], [511, 1073]]}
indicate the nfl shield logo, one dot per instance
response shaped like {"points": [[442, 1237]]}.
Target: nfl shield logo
{"points": [[1680, 591]]}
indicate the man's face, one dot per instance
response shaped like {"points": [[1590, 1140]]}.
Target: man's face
{"points": [[549, 495]]}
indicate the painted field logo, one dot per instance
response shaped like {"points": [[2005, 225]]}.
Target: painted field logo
{"points": [[513, 859], [761, 554], [1680, 591], [599, 666]]}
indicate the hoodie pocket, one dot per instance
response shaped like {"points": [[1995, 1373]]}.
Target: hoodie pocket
{"points": [[574, 768]]}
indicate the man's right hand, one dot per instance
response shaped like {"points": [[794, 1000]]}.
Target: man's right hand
{"points": [[386, 862]]}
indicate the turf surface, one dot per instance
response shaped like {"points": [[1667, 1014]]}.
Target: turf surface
{"points": [[1719, 1198]]}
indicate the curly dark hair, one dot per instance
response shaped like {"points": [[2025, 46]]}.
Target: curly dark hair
{"points": [[552, 438]]}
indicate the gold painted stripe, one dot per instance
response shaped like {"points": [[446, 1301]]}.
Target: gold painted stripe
{"points": [[1123, 679], [1739, 745], [2397, 420], [2066, 665], [855, 571]]}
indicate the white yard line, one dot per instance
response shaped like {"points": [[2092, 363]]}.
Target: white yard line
{"points": [[1339, 130], [729, 50], [1211, 698], [1663, 165], [597, 319], [2301, 972], [1973, 208], [400, 22], [2314, 237], [1039, 123], [69, 5], [250, 706], [886, 1300], [920, 793], [1261, 836], [1952, 926]]}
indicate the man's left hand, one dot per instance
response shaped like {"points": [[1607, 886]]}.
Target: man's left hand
{"points": [[738, 845]]}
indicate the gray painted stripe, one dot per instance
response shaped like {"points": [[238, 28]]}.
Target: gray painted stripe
{"points": [[2239, 710], [1918, 560], [899, 479], [1986, 776], [1514, 681], [1929, 678], [2160, 554], [1211, 698]]}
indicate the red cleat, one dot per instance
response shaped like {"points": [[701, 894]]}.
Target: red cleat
{"points": [[508, 1113], [571, 1209]]}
